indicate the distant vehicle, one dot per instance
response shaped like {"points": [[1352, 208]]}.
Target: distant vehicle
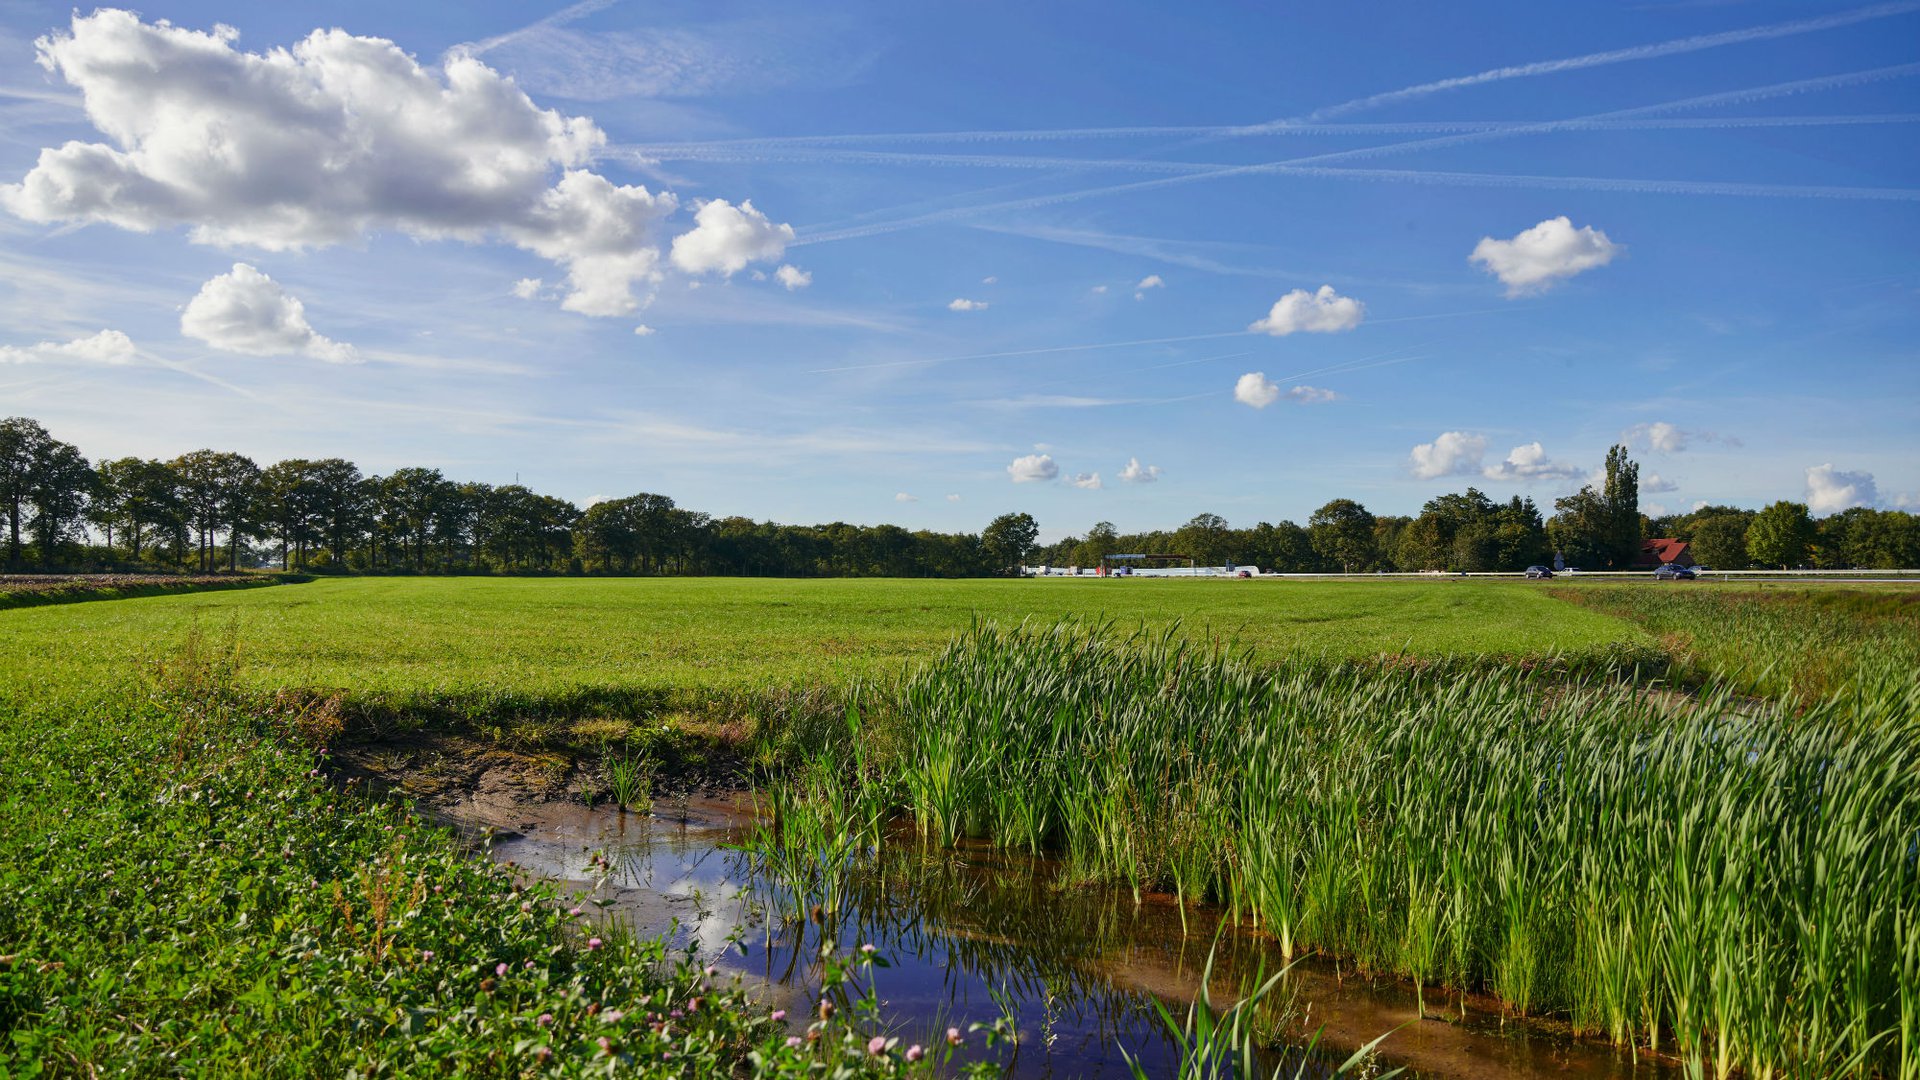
{"points": [[1674, 572], [1539, 572], [1243, 573]]}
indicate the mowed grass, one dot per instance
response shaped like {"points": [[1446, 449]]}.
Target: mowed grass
{"points": [[451, 636]]}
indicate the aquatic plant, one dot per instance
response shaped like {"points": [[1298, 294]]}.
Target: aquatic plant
{"points": [[1732, 880]]}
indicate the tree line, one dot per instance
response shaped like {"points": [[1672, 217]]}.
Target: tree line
{"points": [[1596, 528], [210, 509]]}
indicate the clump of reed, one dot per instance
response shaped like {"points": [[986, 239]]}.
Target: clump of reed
{"points": [[1731, 881]]}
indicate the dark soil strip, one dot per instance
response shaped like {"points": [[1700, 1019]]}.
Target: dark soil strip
{"points": [[27, 590]]}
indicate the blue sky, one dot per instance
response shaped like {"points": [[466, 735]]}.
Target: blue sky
{"points": [[929, 264]]}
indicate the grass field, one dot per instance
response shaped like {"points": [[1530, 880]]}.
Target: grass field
{"points": [[555, 637], [1729, 877]]}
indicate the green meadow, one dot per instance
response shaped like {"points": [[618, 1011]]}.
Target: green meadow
{"points": [[1465, 785], [559, 636]]}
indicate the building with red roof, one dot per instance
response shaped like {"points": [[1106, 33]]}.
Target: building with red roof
{"points": [[1660, 552]]}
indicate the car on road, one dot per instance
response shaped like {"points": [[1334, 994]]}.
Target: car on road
{"points": [[1539, 572], [1674, 572]]}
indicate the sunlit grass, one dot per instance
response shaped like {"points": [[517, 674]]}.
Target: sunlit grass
{"points": [[501, 647]]}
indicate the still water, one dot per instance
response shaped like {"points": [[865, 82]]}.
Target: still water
{"points": [[975, 934]]}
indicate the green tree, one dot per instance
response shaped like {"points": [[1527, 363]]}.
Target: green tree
{"points": [[1204, 539], [1520, 537], [290, 503], [23, 443], [199, 479], [145, 497], [1720, 541], [342, 498], [1007, 539], [1602, 528], [1342, 533], [62, 481], [1102, 540], [1781, 535]]}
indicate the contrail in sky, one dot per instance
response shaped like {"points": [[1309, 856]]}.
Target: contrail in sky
{"points": [[1725, 97], [1615, 56], [747, 153], [559, 18], [717, 149]]}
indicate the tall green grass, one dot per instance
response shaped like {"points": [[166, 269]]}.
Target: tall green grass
{"points": [[1732, 882]]}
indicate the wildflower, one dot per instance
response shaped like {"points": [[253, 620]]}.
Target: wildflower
{"points": [[868, 950], [915, 1053], [426, 954], [612, 1016], [500, 969], [594, 943], [779, 1015], [877, 1045], [711, 970], [573, 911], [794, 1041], [606, 1044], [953, 1036], [528, 965], [543, 1053], [826, 1010]]}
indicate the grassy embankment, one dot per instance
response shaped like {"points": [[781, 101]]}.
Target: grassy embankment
{"points": [[186, 895], [1796, 642], [33, 590]]}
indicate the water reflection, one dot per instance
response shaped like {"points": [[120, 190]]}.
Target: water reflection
{"points": [[976, 933]]}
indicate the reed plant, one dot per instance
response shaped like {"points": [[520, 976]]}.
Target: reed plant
{"points": [[1731, 880]]}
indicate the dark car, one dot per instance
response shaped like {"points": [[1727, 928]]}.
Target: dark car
{"points": [[1539, 572], [1674, 572]]}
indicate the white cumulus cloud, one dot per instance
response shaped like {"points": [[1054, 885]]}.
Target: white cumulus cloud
{"points": [[1452, 453], [245, 311], [341, 136], [793, 277], [1151, 281], [990, 280], [1255, 389], [1659, 435], [1536, 258], [725, 238], [1136, 473], [1087, 481], [643, 330], [1033, 469], [528, 288], [963, 304], [901, 496], [1529, 462], [953, 498], [105, 347], [1322, 312], [1654, 483], [1831, 490]]}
